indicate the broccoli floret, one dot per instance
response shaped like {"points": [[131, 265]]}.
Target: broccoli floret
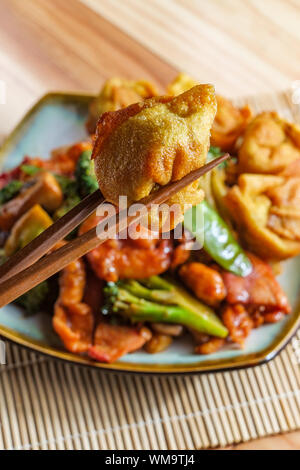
{"points": [[33, 300], [66, 206], [158, 300], [10, 190], [70, 192], [214, 152], [85, 174], [68, 185]]}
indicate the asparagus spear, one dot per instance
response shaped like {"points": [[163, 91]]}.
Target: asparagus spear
{"points": [[158, 300]]}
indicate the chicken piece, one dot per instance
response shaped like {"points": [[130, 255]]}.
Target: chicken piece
{"points": [[114, 341], [93, 292], [238, 322], [206, 283], [117, 94], [158, 343], [182, 249], [152, 143], [229, 124], [250, 204], [73, 320], [211, 346], [167, 329], [270, 144], [259, 288], [127, 258], [44, 191]]}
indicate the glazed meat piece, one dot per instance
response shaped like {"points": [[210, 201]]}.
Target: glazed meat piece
{"points": [[152, 143], [116, 94], [127, 258], [73, 320], [269, 145], [158, 343], [114, 341], [210, 346], [238, 322], [259, 288], [206, 283]]}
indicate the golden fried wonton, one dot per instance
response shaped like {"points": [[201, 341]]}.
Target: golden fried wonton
{"points": [[269, 145], [266, 211], [180, 84], [116, 94], [230, 121], [154, 142]]}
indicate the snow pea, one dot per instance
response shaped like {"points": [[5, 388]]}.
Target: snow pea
{"points": [[217, 239]]}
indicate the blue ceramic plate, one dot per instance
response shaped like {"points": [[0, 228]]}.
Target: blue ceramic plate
{"points": [[58, 119]]}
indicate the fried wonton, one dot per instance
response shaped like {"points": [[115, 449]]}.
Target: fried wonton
{"points": [[117, 94], [266, 211], [269, 145], [152, 143], [230, 121], [229, 124], [180, 84]]}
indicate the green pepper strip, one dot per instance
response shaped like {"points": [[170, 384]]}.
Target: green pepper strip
{"points": [[217, 239]]}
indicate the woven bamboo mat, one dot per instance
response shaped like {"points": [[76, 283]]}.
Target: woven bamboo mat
{"points": [[52, 405]]}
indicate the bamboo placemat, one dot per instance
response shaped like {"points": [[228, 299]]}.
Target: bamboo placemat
{"points": [[52, 405]]}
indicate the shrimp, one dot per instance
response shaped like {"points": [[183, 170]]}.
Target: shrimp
{"points": [[73, 320], [128, 259]]}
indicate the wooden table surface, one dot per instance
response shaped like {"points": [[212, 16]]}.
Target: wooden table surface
{"points": [[243, 47]]}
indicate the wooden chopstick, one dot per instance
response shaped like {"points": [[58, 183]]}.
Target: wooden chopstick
{"points": [[26, 279], [48, 239]]}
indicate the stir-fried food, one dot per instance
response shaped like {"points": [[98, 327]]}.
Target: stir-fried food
{"points": [[148, 290]]}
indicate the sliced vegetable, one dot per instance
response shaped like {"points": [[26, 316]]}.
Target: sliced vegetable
{"points": [[28, 227], [10, 190], [159, 300], [30, 170], [217, 239], [44, 191]]}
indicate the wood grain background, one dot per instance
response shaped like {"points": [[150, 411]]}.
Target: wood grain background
{"points": [[243, 47]]}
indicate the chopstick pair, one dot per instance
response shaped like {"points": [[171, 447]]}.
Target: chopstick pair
{"points": [[28, 267]]}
